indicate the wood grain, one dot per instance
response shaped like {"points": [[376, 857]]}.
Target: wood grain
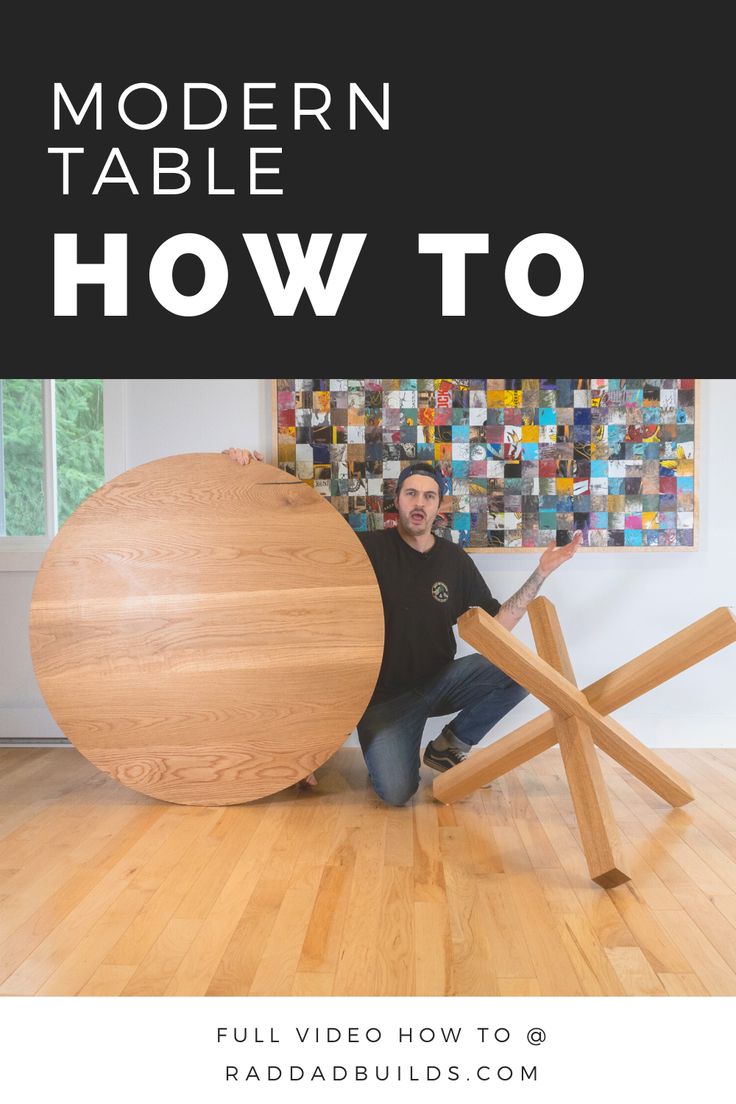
{"points": [[520, 663], [204, 632], [683, 649], [563, 698], [136, 896], [703, 638], [596, 823]]}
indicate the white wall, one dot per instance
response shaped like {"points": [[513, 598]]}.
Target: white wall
{"points": [[612, 605]]}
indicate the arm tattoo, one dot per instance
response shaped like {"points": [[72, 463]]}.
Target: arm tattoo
{"points": [[517, 603]]}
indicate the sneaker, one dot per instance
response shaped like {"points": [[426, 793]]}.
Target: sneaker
{"points": [[445, 759]]}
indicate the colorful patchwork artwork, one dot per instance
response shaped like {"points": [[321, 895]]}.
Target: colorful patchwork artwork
{"points": [[527, 460]]}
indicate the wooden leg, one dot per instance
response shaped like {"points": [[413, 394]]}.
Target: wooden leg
{"points": [[643, 763], [521, 664], [491, 762], [678, 652], [696, 642], [598, 829], [675, 654]]}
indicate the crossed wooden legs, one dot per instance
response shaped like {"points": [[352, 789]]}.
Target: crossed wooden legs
{"points": [[577, 719]]}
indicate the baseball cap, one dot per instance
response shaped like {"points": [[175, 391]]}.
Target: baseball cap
{"points": [[422, 469]]}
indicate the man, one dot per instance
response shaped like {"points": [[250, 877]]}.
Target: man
{"points": [[426, 583]]}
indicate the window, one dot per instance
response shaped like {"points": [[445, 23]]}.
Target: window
{"points": [[52, 458]]}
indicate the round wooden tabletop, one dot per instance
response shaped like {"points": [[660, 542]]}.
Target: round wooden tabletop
{"points": [[206, 633]]}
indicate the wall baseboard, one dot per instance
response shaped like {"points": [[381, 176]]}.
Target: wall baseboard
{"points": [[29, 726], [33, 726]]}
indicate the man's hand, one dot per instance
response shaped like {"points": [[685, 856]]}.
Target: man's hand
{"points": [[242, 456], [512, 611], [307, 783], [553, 557]]}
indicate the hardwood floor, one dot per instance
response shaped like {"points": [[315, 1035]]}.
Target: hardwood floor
{"points": [[105, 891]]}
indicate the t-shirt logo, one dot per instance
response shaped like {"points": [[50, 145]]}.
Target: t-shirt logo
{"points": [[440, 592]]}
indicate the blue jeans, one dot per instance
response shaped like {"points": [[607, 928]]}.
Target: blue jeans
{"points": [[390, 732]]}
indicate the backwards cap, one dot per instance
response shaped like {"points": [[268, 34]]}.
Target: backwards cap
{"points": [[422, 469]]}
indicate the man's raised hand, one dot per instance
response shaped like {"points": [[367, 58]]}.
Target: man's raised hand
{"points": [[553, 557]]}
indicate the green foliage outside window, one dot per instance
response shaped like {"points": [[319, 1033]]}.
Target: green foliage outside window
{"points": [[80, 452], [79, 449]]}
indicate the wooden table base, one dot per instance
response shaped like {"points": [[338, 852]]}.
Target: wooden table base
{"points": [[577, 719]]}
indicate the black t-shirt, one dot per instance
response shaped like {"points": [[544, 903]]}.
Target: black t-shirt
{"points": [[423, 595]]}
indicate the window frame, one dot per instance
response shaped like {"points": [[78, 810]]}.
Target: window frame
{"points": [[26, 553]]}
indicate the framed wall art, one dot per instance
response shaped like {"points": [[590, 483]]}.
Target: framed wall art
{"points": [[527, 460]]}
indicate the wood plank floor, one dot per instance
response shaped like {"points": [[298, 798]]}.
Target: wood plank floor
{"points": [[104, 891]]}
